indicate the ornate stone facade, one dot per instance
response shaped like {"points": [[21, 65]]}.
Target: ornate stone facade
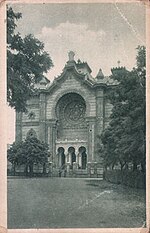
{"points": [[69, 114]]}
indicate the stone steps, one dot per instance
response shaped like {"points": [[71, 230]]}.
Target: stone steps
{"points": [[81, 173]]}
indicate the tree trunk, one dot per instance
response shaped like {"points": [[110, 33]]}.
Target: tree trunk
{"points": [[134, 166], [122, 165], [112, 167], [105, 167], [44, 168], [126, 166], [143, 169], [14, 168], [31, 170], [26, 170]]}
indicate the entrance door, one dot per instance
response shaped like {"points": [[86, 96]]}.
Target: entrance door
{"points": [[71, 151], [84, 160], [61, 157], [73, 157]]}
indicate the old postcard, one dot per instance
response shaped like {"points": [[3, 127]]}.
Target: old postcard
{"points": [[74, 116]]}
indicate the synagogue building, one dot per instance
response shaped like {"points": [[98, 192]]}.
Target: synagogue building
{"points": [[69, 114]]}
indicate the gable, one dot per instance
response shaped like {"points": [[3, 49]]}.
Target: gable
{"points": [[70, 82]]}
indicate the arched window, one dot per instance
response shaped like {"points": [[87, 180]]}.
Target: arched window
{"points": [[31, 133], [61, 158]]}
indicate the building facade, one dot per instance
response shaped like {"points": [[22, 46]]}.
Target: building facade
{"points": [[69, 114]]}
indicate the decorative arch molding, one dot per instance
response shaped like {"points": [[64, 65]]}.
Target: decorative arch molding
{"points": [[71, 91]]}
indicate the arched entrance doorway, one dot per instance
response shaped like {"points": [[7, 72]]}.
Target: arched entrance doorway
{"points": [[71, 152], [83, 155], [61, 157]]}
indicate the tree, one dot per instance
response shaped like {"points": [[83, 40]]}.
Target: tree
{"points": [[26, 63], [31, 151], [124, 139], [13, 154]]}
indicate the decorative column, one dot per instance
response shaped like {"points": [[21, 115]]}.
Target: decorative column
{"points": [[75, 164], [67, 157], [68, 162], [42, 118], [18, 126], [80, 159], [70, 158], [76, 153]]}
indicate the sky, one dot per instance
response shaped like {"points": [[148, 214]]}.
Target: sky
{"points": [[99, 33]]}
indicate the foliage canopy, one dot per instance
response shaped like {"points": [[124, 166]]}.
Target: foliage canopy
{"points": [[124, 139], [27, 62], [31, 151]]}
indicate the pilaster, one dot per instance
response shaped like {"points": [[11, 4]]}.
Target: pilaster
{"points": [[100, 115], [99, 110], [42, 117], [51, 129], [91, 138]]}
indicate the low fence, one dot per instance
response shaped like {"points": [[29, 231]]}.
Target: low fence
{"points": [[135, 179], [20, 171], [93, 170]]}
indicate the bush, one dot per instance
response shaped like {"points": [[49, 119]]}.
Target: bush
{"points": [[134, 179]]}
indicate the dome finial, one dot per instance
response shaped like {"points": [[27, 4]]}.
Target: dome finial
{"points": [[118, 62], [71, 55], [100, 74]]}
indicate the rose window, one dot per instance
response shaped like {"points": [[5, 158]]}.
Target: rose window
{"points": [[74, 112], [71, 110]]}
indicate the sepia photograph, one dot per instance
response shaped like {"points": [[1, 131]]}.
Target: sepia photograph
{"points": [[76, 115]]}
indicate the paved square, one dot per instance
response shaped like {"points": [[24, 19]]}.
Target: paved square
{"points": [[73, 203]]}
